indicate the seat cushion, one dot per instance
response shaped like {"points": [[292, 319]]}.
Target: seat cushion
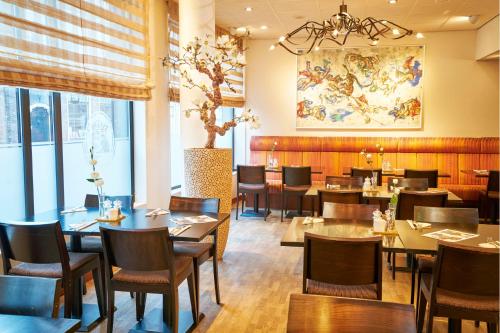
{"points": [[76, 260], [459, 300], [367, 291], [182, 269], [425, 263], [298, 188], [191, 249], [253, 187]]}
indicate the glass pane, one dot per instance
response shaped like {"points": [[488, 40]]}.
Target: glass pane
{"points": [[224, 114], [104, 124], [43, 150], [176, 155], [11, 156]]}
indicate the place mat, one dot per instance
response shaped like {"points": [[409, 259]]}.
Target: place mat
{"points": [[449, 235], [193, 219], [157, 211], [175, 231], [74, 210], [81, 226]]}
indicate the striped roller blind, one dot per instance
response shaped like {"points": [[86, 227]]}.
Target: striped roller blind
{"points": [[236, 78], [97, 47]]}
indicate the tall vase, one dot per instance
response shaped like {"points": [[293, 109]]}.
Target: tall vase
{"points": [[208, 174]]}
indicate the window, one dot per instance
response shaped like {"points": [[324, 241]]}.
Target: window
{"points": [[176, 152]]}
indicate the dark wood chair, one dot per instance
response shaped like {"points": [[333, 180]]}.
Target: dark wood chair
{"points": [[409, 199], [339, 196], [491, 197], [30, 296], [296, 181], [463, 285], [252, 180], [410, 184], [344, 181], [345, 267], [147, 264], [348, 211], [464, 216], [360, 172], [431, 175], [199, 252], [41, 249]]}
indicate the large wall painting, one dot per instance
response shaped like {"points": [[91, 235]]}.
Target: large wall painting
{"points": [[361, 88]]}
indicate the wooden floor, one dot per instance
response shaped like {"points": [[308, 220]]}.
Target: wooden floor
{"points": [[257, 276]]}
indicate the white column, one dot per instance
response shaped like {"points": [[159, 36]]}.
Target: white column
{"points": [[157, 111]]}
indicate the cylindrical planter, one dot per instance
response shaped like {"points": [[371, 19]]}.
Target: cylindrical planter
{"points": [[208, 174]]}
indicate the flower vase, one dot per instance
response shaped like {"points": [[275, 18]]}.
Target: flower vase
{"points": [[374, 180], [102, 210], [391, 223]]}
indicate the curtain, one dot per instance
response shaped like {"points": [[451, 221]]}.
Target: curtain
{"points": [[96, 47], [236, 78]]}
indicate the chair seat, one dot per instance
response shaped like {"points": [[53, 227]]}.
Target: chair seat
{"points": [[76, 260], [191, 249], [368, 291], [298, 188], [253, 187], [182, 269], [425, 263], [460, 300]]}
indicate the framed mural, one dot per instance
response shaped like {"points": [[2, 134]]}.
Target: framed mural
{"points": [[361, 88]]}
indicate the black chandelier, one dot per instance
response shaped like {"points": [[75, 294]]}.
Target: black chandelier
{"points": [[337, 29]]}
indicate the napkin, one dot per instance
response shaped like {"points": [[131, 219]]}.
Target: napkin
{"points": [[81, 226], [418, 225], [490, 245], [74, 210], [309, 220], [178, 230], [157, 211], [193, 219]]}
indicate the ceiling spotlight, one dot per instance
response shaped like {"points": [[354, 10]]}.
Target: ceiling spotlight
{"points": [[263, 27], [281, 39], [241, 29], [316, 48], [248, 9], [393, 2], [272, 47], [384, 21], [374, 42], [419, 35], [395, 32]]}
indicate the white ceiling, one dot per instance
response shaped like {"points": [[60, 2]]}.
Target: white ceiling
{"points": [[282, 16]]}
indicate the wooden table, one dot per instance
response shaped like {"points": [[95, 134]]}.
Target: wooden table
{"points": [[29, 324], [329, 314], [294, 235], [476, 173], [395, 173], [134, 219]]}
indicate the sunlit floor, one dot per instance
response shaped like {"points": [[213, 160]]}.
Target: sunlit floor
{"points": [[257, 276]]}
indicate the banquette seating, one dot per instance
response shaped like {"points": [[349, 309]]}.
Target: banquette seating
{"points": [[335, 155]]}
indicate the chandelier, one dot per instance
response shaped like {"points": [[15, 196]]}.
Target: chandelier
{"points": [[336, 29]]}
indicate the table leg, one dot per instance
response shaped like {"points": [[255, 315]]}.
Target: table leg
{"points": [[75, 243], [76, 309], [413, 270], [299, 205], [256, 203]]}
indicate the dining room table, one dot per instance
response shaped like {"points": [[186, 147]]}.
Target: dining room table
{"points": [[78, 223], [331, 314], [396, 172]]}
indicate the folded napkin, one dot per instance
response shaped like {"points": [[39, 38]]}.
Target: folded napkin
{"points": [[178, 230], [74, 210], [418, 225], [157, 211], [81, 226], [310, 220], [491, 245], [193, 219]]}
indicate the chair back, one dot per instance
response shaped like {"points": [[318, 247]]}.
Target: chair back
{"points": [[296, 176], [493, 181], [358, 172], [138, 249], [196, 205], [409, 199], [251, 174], [29, 296], [348, 211], [412, 184], [431, 175], [344, 181], [466, 269], [92, 200], [339, 196], [446, 215], [343, 261], [33, 242]]}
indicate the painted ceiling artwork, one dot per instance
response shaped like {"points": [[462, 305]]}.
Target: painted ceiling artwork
{"points": [[361, 88]]}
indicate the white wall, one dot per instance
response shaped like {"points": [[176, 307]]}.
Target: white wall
{"points": [[460, 93], [487, 41]]}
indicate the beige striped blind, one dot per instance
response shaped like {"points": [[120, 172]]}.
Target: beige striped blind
{"points": [[96, 47], [236, 78]]}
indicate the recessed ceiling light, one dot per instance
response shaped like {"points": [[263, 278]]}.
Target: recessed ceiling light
{"points": [[316, 48], [393, 2], [374, 42], [248, 9], [419, 35], [241, 29], [272, 47], [395, 32], [281, 39], [263, 27]]}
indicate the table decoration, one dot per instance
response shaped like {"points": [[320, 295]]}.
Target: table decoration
{"points": [[96, 178], [272, 162]]}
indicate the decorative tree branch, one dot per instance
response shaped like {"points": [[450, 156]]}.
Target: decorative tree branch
{"points": [[216, 62]]}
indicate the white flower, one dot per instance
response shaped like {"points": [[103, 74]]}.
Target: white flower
{"points": [[93, 162], [222, 40], [246, 114], [395, 181], [397, 190], [94, 175], [255, 123], [240, 59], [99, 183], [368, 155]]}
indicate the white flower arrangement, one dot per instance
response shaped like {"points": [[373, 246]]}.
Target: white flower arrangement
{"points": [[95, 177]]}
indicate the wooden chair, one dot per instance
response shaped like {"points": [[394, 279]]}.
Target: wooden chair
{"points": [[41, 249], [199, 252], [464, 216], [344, 181], [147, 264], [29, 296], [409, 199], [345, 267], [491, 196], [410, 184], [359, 172], [339, 196], [252, 180], [348, 211], [430, 175], [296, 181], [464, 285]]}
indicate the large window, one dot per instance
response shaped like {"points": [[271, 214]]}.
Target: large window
{"points": [[63, 127]]}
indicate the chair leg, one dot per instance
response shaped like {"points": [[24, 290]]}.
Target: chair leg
{"points": [[197, 279], [84, 285], [192, 297], [430, 320], [140, 305], [132, 294], [421, 306], [413, 269], [282, 204], [174, 310], [216, 278], [492, 327], [243, 200], [68, 297], [454, 325], [237, 204], [97, 277], [111, 310], [266, 209], [419, 278], [476, 323]]}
